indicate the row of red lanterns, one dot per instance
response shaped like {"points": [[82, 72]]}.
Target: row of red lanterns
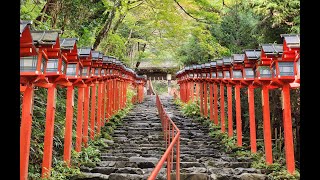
{"points": [[272, 66], [48, 61]]}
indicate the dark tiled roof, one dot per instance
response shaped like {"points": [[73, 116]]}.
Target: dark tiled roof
{"points": [[68, 43], [100, 55], [213, 64], [23, 25], [219, 62], [253, 53], [194, 66], [238, 58], [272, 48], [227, 60], [45, 37], [105, 58], [292, 40], [95, 55], [84, 51]]}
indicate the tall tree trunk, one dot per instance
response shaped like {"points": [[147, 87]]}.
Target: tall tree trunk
{"points": [[47, 9], [121, 18], [106, 27]]}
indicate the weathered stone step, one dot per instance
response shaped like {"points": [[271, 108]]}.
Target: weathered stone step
{"points": [[191, 176], [114, 158], [90, 176]]}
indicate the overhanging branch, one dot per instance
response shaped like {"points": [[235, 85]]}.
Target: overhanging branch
{"points": [[197, 19]]}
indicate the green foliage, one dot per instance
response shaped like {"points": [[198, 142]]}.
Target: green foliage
{"points": [[191, 109], [238, 29], [61, 171], [114, 45], [178, 102], [160, 87], [284, 174], [200, 48]]}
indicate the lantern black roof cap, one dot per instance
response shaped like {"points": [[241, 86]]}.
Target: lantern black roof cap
{"points": [[45, 37], [219, 61], [227, 60], [84, 51], [24, 24], [107, 59], [252, 53], [292, 40], [95, 55], [100, 55], [272, 48], [238, 58], [213, 64], [68, 43]]}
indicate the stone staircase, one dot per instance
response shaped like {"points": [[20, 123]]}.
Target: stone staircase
{"points": [[135, 149], [202, 157], [138, 145]]}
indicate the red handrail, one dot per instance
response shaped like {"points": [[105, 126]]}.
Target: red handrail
{"points": [[172, 137]]}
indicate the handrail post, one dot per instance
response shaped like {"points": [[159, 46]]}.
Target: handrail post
{"points": [[178, 158], [171, 139]]}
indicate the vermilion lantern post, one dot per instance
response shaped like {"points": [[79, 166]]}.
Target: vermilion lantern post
{"points": [[178, 76], [85, 56], [55, 72], [283, 73], [191, 82], [109, 64], [33, 64], [103, 88], [96, 92], [220, 73], [263, 78], [196, 80], [106, 77], [248, 78], [226, 80], [184, 87], [196, 85], [73, 73], [187, 84], [48, 41], [236, 78], [205, 77], [213, 75]]}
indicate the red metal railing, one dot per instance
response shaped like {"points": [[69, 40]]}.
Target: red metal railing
{"points": [[172, 137]]}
